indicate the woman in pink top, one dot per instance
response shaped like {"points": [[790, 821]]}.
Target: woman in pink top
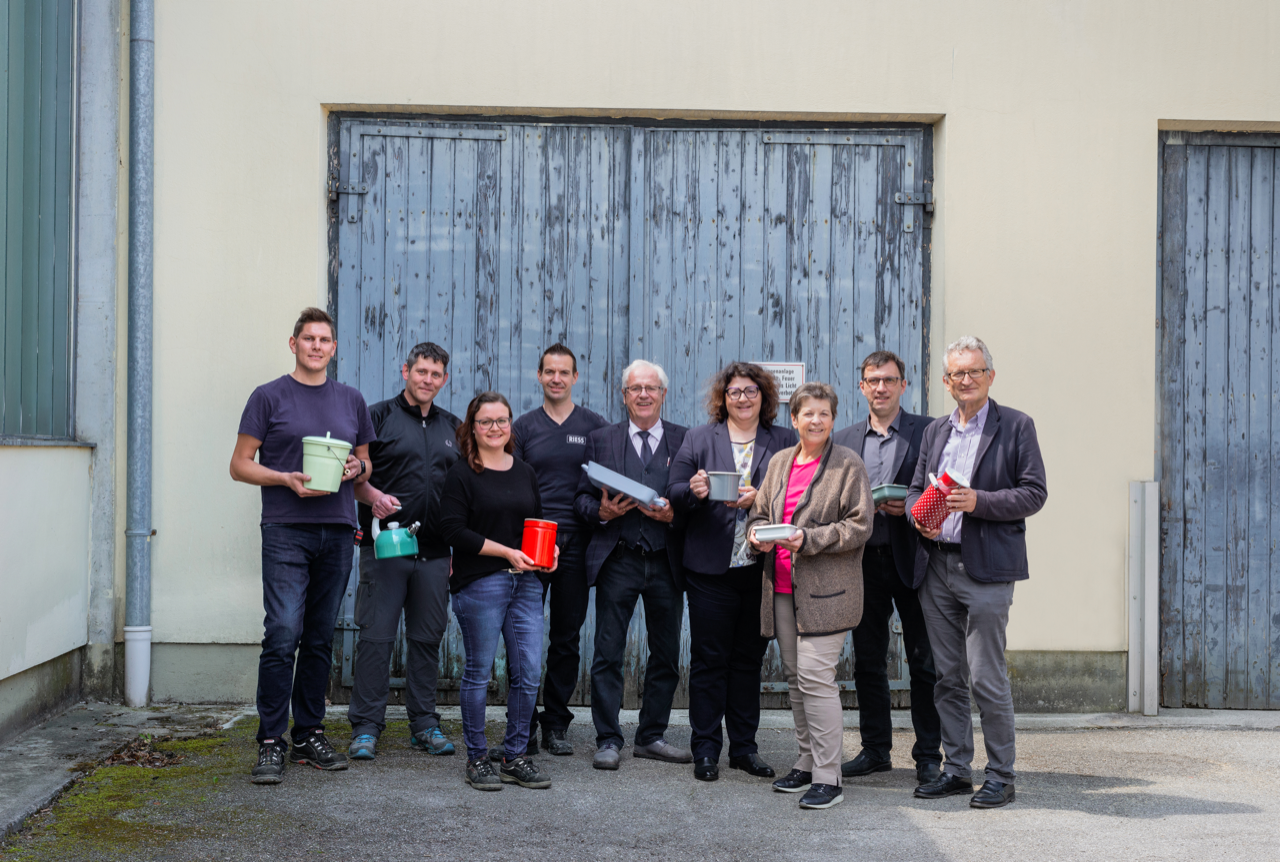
{"points": [[812, 581]]}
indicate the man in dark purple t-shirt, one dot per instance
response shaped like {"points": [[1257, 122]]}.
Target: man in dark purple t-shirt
{"points": [[307, 545]]}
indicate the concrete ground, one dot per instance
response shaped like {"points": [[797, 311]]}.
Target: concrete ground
{"points": [[1187, 785]]}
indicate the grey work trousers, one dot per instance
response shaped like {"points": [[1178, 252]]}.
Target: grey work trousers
{"points": [[966, 620], [420, 588]]}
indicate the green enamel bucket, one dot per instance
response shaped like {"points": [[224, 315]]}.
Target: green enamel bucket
{"points": [[323, 459]]}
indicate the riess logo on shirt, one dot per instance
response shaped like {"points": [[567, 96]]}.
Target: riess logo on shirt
{"points": [[575, 440]]}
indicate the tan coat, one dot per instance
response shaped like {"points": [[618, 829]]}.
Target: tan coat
{"points": [[836, 515]]}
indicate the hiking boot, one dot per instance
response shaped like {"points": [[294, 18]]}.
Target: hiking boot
{"points": [[363, 747], [432, 741], [481, 775], [524, 772], [270, 768], [314, 749], [555, 743]]}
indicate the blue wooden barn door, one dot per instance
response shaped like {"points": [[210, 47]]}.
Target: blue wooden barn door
{"points": [[1220, 421], [688, 247]]}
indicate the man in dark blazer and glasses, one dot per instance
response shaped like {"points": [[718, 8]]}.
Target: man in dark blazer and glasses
{"points": [[634, 553], [893, 565], [975, 557]]}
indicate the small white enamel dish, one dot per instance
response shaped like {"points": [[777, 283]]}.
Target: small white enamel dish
{"points": [[775, 532]]}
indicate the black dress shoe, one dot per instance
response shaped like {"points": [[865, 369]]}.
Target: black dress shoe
{"points": [[793, 782], [706, 769], [752, 765], [865, 764], [946, 785], [992, 794], [927, 772]]}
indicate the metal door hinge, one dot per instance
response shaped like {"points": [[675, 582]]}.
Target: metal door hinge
{"points": [[337, 187], [915, 198]]}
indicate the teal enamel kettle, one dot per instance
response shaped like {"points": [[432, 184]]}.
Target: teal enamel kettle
{"points": [[395, 541]]}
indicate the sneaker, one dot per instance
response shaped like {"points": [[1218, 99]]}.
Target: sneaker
{"points": [[524, 772], [363, 747], [314, 749], [555, 743], [499, 754], [821, 796], [793, 782], [432, 741], [270, 768], [481, 776]]}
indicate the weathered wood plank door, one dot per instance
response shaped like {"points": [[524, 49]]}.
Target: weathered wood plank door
{"points": [[1220, 420], [688, 247]]}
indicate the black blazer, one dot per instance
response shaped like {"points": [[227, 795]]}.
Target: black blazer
{"points": [[1009, 478], [910, 557], [605, 447], [710, 523]]}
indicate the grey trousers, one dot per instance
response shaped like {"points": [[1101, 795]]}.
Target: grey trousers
{"points": [[421, 589], [966, 620]]}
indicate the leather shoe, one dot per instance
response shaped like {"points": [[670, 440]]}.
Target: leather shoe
{"points": [[793, 782], [706, 769], [927, 772], [992, 794], [660, 749], [864, 764], [946, 785], [752, 765], [606, 756]]}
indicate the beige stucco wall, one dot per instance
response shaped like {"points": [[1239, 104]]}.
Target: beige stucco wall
{"points": [[44, 534], [1045, 237]]}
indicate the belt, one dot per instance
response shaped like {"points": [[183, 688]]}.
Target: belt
{"points": [[640, 549], [950, 547]]}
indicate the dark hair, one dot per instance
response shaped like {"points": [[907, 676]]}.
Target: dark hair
{"points": [[428, 350], [314, 315], [820, 391], [716, 408], [558, 349], [883, 357], [466, 432]]}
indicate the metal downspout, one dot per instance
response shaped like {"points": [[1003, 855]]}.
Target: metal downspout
{"points": [[137, 618]]}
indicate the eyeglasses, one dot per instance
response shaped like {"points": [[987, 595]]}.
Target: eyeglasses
{"points": [[748, 392], [500, 422], [877, 382], [643, 390], [960, 376]]}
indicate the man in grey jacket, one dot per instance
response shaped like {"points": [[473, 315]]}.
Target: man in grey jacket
{"points": [[975, 558]]}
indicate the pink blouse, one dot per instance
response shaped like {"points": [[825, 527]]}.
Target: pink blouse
{"points": [[797, 483]]}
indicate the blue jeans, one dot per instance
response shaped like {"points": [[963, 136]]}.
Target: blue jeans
{"points": [[509, 605], [305, 568]]}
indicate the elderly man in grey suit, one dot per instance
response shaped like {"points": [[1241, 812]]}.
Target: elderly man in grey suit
{"points": [[975, 558]]}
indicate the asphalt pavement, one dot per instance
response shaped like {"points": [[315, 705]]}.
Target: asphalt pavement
{"points": [[1186, 785]]}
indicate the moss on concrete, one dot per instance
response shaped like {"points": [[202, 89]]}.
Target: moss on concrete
{"points": [[119, 812]]}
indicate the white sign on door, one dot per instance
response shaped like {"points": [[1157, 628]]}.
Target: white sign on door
{"points": [[790, 377]]}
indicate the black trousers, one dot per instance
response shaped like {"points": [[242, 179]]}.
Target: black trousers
{"points": [[881, 590], [725, 654], [570, 593], [626, 576]]}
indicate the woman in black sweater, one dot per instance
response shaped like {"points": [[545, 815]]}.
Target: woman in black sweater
{"points": [[488, 493]]}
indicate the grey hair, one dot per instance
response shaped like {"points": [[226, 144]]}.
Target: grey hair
{"points": [[969, 342], [817, 391], [644, 364]]}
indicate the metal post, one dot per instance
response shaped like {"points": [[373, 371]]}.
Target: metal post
{"points": [[137, 629]]}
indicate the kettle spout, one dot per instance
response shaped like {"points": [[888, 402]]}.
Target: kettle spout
{"points": [[413, 530]]}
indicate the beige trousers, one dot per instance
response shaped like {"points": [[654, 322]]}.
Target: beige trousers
{"points": [[810, 663]]}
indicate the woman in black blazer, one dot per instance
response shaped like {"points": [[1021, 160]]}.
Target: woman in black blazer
{"points": [[721, 571]]}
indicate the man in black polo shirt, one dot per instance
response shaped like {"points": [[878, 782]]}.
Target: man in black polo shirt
{"points": [[553, 440], [892, 567], [415, 448]]}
